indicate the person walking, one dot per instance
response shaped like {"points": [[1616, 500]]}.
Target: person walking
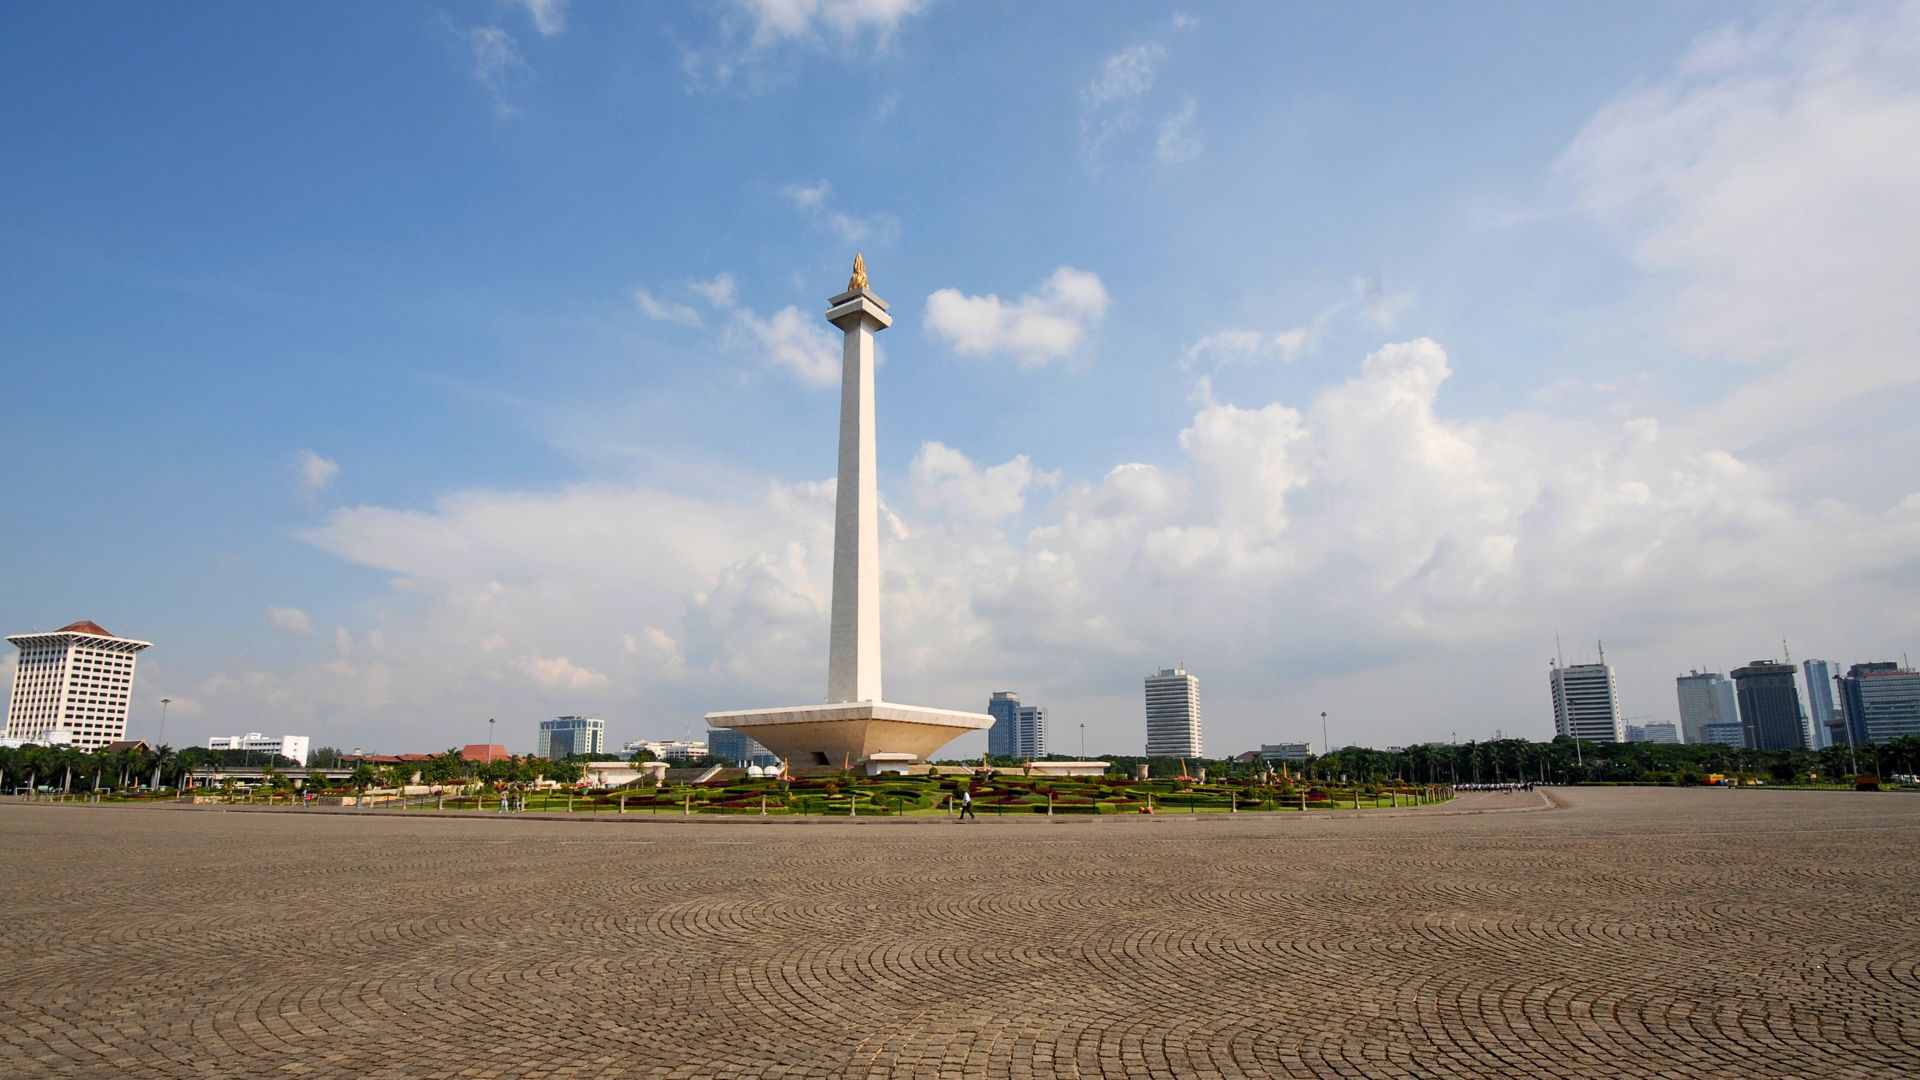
{"points": [[966, 804]]}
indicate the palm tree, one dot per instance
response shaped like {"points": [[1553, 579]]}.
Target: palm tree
{"points": [[163, 758]]}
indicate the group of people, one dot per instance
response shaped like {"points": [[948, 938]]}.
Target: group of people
{"points": [[513, 802]]}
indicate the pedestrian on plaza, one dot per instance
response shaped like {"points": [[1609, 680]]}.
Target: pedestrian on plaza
{"points": [[503, 802], [966, 804]]}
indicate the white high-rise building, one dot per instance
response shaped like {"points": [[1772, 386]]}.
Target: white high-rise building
{"points": [[76, 679], [293, 747], [1586, 703], [1173, 714], [1030, 731]]}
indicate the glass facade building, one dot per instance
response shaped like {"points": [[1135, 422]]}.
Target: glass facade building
{"points": [[1769, 706], [565, 736]]}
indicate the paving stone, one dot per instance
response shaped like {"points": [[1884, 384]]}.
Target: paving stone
{"points": [[1626, 932]]}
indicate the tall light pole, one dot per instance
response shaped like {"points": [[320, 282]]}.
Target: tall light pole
{"points": [[489, 740], [1083, 740], [164, 702]]}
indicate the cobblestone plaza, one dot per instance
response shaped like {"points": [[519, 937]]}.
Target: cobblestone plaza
{"points": [[1628, 932]]}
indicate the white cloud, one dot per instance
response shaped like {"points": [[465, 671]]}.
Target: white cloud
{"points": [[559, 673], [1112, 106], [813, 200], [291, 619], [316, 472], [1126, 74], [809, 196], [1040, 326], [1235, 346], [792, 339], [789, 338], [665, 310], [945, 480], [549, 16], [1177, 141], [497, 63], [780, 20], [751, 33], [1765, 190], [719, 291]]}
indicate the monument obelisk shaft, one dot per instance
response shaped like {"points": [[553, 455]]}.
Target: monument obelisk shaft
{"points": [[853, 656], [855, 726]]}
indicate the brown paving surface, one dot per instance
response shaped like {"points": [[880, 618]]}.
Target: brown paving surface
{"points": [[1636, 932]]}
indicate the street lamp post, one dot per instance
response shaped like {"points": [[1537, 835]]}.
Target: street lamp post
{"points": [[164, 702], [1083, 740], [489, 740]]}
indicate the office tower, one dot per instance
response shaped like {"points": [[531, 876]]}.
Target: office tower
{"points": [[565, 736], [1821, 710], [1706, 697], [1173, 714], [1880, 701], [1769, 706], [1586, 703], [1030, 732], [1004, 707], [77, 680], [738, 748], [1653, 733], [1731, 734]]}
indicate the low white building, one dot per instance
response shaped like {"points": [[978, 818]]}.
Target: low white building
{"points": [[1275, 753], [1068, 768], [667, 750], [54, 737], [293, 747]]}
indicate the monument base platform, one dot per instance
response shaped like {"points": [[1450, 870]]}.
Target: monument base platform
{"points": [[851, 734]]}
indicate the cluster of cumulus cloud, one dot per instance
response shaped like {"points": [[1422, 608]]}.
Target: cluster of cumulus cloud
{"points": [[1764, 192]]}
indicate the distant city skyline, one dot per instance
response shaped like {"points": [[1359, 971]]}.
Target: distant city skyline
{"points": [[469, 363]]}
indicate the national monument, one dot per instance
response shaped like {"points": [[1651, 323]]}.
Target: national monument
{"points": [[855, 727]]}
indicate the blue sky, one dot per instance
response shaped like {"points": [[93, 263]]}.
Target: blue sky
{"points": [[393, 366]]}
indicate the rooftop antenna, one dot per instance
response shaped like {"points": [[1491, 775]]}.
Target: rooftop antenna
{"points": [[1603, 652], [1786, 652], [1559, 657]]}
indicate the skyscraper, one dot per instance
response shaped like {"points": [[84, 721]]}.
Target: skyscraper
{"points": [[1586, 703], [1173, 714], [1821, 710], [1881, 701], [77, 679], [1706, 697], [1018, 731], [565, 736], [1769, 706], [1030, 732], [1004, 707]]}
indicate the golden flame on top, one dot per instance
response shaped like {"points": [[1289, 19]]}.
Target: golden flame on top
{"points": [[859, 278]]}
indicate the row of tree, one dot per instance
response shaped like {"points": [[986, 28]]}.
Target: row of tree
{"points": [[69, 768], [1562, 761]]}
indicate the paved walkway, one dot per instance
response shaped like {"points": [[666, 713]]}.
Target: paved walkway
{"points": [[1631, 932]]}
